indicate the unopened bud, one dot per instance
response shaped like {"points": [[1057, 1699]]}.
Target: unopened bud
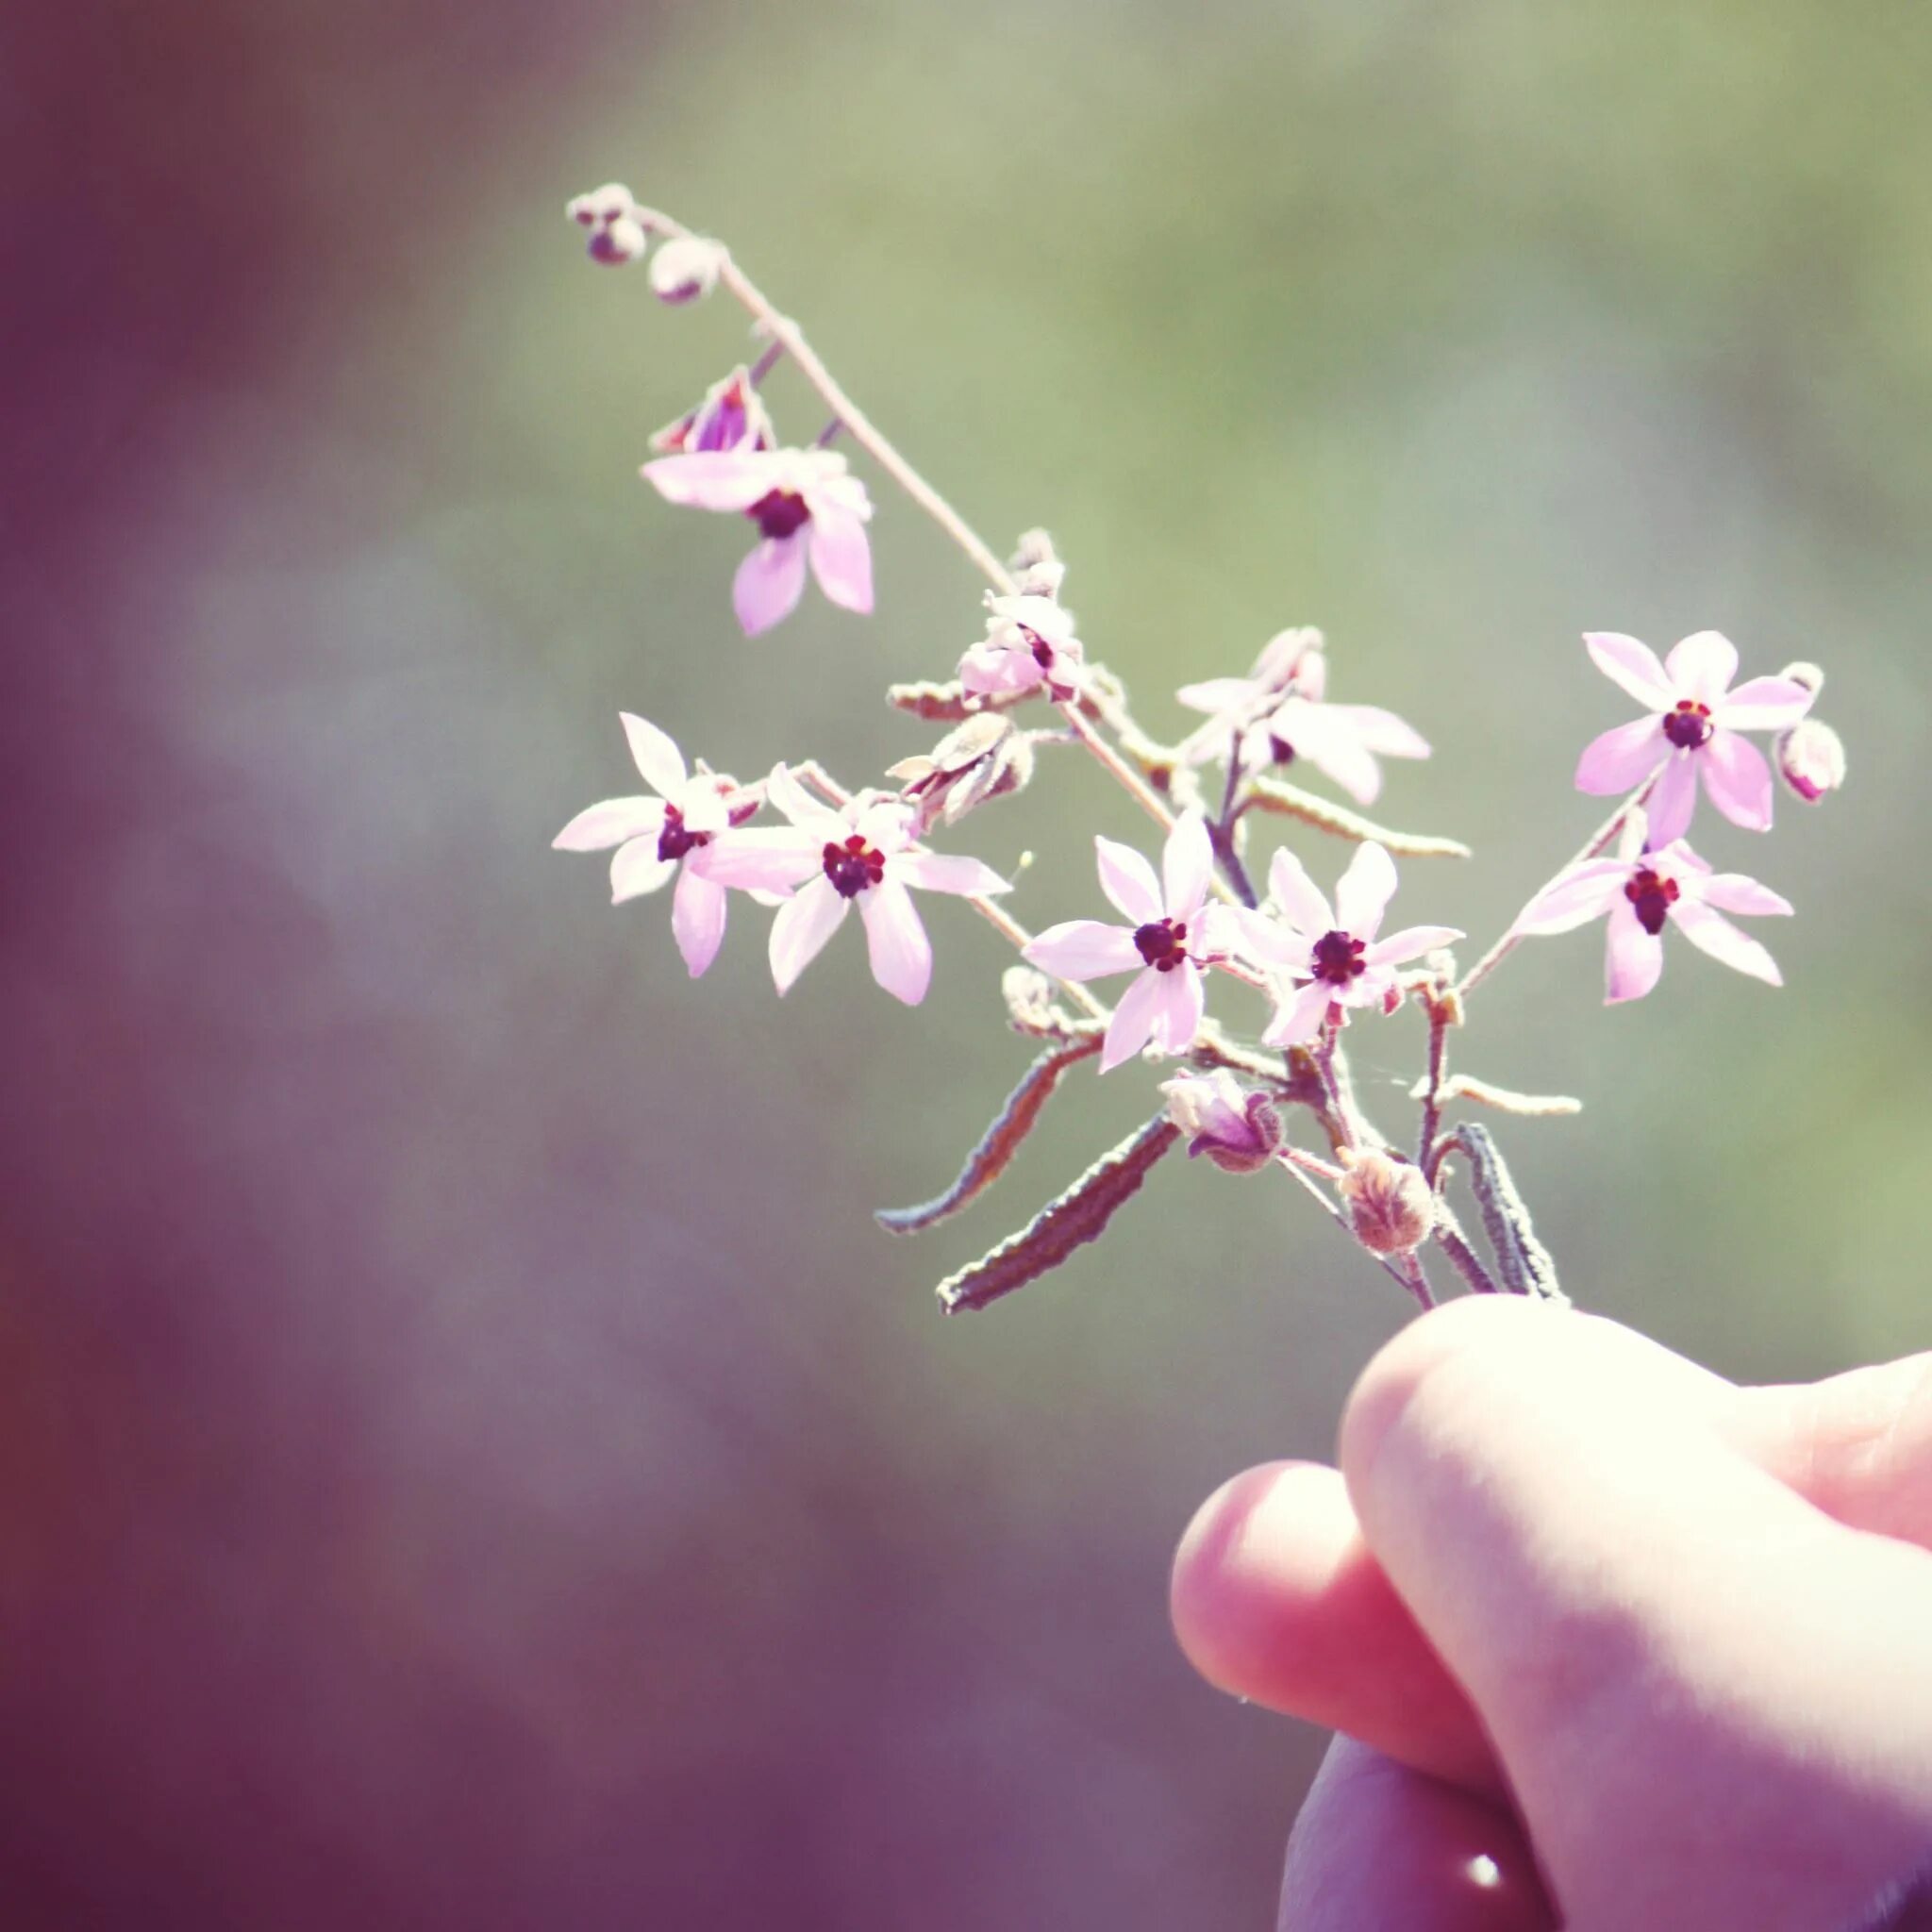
{"points": [[602, 206], [1810, 675], [1810, 758], [1030, 1004], [984, 757], [685, 268], [1391, 1209], [1035, 547], [1238, 1131], [618, 243]]}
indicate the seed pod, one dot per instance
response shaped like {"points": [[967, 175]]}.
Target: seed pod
{"points": [[1389, 1205]]}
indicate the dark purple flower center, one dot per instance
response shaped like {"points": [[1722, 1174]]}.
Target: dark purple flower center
{"points": [[1280, 750], [1688, 726], [853, 866], [1653, 895], [675, 839], [1162, 943], [1338, 958], [1043, 650], [780, 513]]}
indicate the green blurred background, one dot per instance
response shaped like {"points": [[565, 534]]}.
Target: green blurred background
{"points": [[469, 1455]]}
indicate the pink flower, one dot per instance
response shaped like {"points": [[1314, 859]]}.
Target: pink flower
{"points": [[1696, 718], [1641, 892], [1168, 942], [731, 417], [832, 857], [655, 836], [1029, 642], [805, 507], [1280, 714], [1237, 1130], [1335, 949]]}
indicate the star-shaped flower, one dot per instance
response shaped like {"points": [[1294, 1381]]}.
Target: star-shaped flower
{"points": [[1029, 643], [1694, 725], [1168, 941], [657, 837], [824, 861], [807, 509], [1642, 892], [1335, 949]]}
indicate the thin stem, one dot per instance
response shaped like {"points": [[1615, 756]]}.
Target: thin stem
{"points": [[1432, 1097], [1143, 793], [1449, 1238], [1336, 1215], [1220, 828], [785, 334], [1603, 837], [766, 363]]}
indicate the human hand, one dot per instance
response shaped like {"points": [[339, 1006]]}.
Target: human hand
{"points": [[1598, 1626]]}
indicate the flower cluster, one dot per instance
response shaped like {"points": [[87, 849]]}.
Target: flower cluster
{"points": [[1249, 991]]}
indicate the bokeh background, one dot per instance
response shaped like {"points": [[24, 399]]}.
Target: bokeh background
{"points": [[466, 1455]]}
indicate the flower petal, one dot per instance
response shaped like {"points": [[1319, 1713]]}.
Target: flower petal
{"points": [[721, 480], [1731, 892], [1711, 932], [1365, 889], [1673, 799], [1702, 666], [802, 927], [1332, 747], [1187, 864], [768, 583], [1632, 666], [1128, 880], [1133, 1020], [1411, 942], [1218, 696], [1183, 1000], [1083, 949], [1621, 759], [808, 814], [1634, 959], [656, 755], [1766, 704], [895, 938], [947, 872], [767, 859], [842, 559], [1300, 898], [697, 919], [1584, 892], [636, 869], [1268, 942], [1301, 1019], [610, 822], [1379, 731], [1737, 777]]}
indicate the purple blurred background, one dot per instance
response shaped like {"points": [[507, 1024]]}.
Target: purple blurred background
{"points": [[466, 1457]]}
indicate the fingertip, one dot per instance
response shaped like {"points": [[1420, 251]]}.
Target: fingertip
{"points": [[1211, 1594]]}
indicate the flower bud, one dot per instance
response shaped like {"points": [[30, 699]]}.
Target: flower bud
{"points": [[1810, 675], [1810, 758], [1030, 1004], [983, 758], [1391, 1209], [685, 268], [602, 206], [1238, 1131], [1037, 568], [618, 243]]}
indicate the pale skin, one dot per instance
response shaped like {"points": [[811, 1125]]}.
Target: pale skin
{"points": [[1595, 1626]]}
